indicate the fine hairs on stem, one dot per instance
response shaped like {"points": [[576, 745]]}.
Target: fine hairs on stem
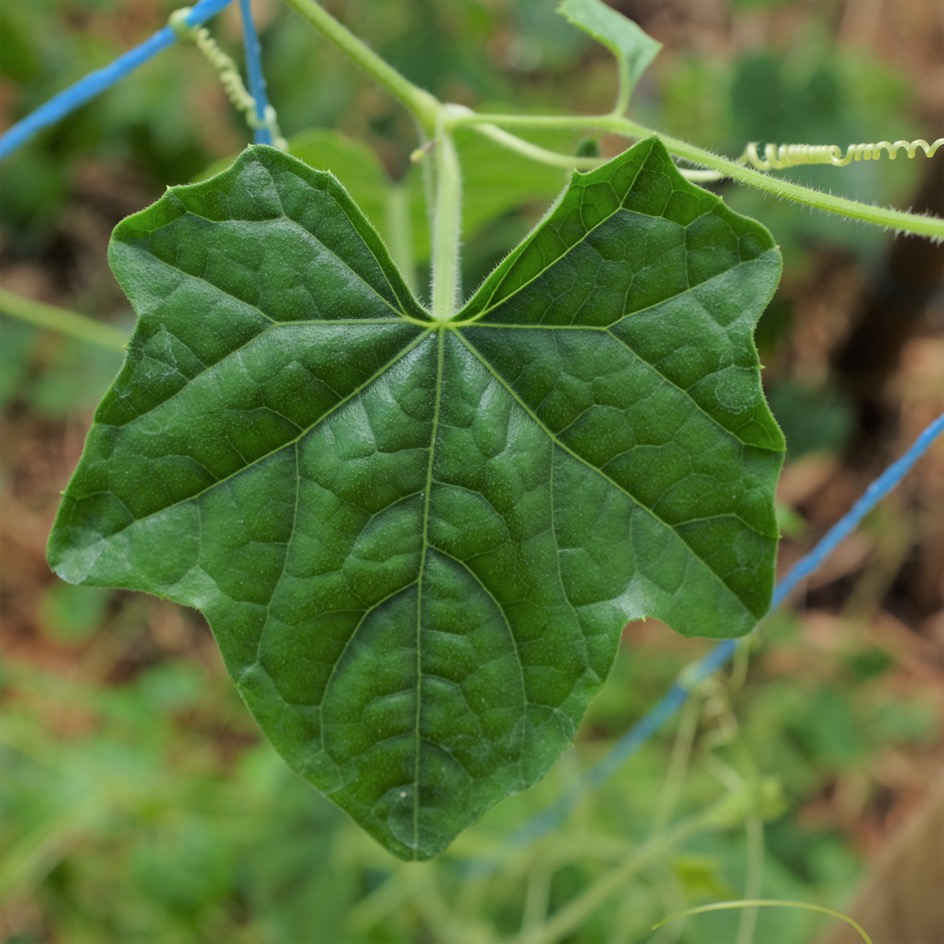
{"points": [[897, 220], [447, 219], [429, 113]]}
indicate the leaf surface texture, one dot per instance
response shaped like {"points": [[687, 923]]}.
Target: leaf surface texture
{"points": [[417, 543]]}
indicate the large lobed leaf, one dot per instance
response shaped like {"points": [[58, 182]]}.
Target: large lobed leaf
{"points": [[416, 542]]}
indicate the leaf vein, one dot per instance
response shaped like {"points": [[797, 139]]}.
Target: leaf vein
{"points": [[254, 462], [488, 306], [434, 431], [576, 455]]}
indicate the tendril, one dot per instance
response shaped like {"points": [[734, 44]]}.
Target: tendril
{"points": [[228, 73], [782, 156]]}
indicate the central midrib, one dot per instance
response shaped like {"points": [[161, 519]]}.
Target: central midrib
{"points": [[437, 400]]}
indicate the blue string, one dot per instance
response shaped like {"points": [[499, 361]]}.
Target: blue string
{"points": [[553, 815], [97, 82], [850, 521], [257, 85]]}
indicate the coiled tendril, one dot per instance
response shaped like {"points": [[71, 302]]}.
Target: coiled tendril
{"points": [[228, 73], [782, 156]]}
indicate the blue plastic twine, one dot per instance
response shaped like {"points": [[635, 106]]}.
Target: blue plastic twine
{"points": [[676, 696], [97, 82], [257, 85]]}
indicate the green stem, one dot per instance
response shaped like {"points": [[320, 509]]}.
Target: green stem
{"points": [[853, 209], [429, 185], [678, 765], [625, 87], [65, 322], [771, 903], [571, 161], [423, 105], [747, 926], [400, 233], [573, 915], [535, 152], [447, 218], [428, 111]]}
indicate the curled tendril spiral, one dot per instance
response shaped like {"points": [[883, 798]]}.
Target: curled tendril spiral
{"points": [[782, 156], [228, 73]]}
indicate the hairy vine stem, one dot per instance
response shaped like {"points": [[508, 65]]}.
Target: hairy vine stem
{"points": [[447, 220], [437, 120], [754, 903], [898, 220], [424, 106], [535, 152], [433, 115]]}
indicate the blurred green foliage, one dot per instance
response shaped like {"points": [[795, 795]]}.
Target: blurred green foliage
{"points": [[135, 812], [70, 614], [794, 403], [55, 376]]}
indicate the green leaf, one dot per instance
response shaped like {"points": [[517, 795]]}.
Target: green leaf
{"points": [[416, 542], [634, 49], [356, 165]]}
